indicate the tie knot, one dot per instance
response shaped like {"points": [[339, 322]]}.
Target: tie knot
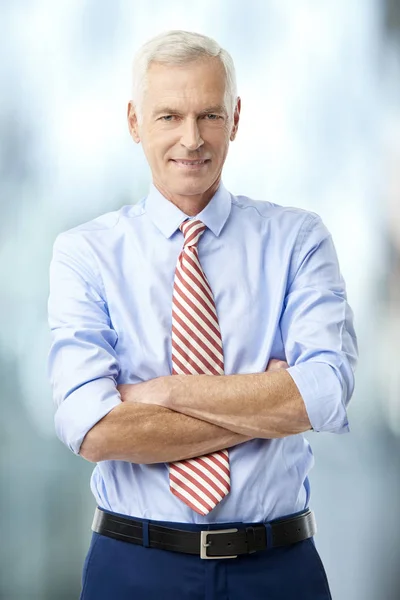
{"points": [[192, 229]]}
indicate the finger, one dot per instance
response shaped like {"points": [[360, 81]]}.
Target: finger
{"points": [[272, 362], [275, 364]]}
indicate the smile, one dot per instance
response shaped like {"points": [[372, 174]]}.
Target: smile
{"points": [[190, 164]]}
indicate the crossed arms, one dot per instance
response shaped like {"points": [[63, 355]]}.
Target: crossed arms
{"points": [[176, 417]]}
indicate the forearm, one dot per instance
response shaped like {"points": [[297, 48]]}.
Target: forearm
{"points": [[262, 405], [145, 433]]}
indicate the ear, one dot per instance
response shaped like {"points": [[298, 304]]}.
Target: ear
{"points": [[236, 116], [133, 122]]}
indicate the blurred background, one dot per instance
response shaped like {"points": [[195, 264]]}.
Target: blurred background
{"points": [[320, 129]]}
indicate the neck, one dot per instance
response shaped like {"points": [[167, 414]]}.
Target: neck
{"points": [[190, 205]]}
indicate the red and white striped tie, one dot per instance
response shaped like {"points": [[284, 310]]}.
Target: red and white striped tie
{"points": [[196, 349]]}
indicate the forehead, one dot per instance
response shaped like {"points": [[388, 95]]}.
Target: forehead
{"points": [[191, 85]]}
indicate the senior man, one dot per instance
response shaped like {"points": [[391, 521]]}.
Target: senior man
{"points": [[196, 335]]}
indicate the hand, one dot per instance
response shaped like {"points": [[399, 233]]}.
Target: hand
{"points": [[154, 391], [125, 389], [275, 364]]}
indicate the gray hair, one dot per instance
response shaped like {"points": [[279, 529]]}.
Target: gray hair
{"points": [[180, 47]]}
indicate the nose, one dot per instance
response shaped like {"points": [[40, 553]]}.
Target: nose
{"points": [[191, 137]]}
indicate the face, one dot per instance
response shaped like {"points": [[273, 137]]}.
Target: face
{"points": [[185, 129]]}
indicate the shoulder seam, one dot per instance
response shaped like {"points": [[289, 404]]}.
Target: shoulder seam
{"points": [[309, 219], [78, 230], [235, 202], [286, 208]]}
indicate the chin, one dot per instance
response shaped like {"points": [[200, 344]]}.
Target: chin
{"points": [[191, 189]]}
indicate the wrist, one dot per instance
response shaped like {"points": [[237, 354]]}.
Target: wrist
{"points": [[186, 390], [174, 390]]}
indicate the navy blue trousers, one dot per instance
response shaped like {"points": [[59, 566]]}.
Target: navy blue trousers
{"points": [[123, 571]]}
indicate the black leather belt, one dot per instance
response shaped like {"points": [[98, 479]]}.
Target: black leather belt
{"points": [[217, 543]]}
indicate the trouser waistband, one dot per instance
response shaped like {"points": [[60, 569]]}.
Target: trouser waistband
{"points": [[223, 540]]}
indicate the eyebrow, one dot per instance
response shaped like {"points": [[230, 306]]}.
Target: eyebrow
{"points": [[218, 108]]}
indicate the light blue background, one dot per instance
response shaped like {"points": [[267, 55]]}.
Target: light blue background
{"points": [[319, 84]]}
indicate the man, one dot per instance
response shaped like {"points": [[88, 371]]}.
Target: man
{"points": [[172, 322]]}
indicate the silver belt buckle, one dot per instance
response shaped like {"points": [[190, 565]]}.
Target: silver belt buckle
{"points": [[204, 544]]}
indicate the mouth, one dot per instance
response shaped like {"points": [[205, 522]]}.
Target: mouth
{"points": [[192, 165]]}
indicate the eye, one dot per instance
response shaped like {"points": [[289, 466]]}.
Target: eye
{"points": [[167, 118], [212, 117]]}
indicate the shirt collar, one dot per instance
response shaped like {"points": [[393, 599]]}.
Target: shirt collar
{"points": [[167, 217]]}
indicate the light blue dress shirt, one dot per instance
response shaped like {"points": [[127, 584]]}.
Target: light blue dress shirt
{"points": [[279, 294]]}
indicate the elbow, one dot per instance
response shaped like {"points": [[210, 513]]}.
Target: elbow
{"points": [[91, 448], [88, 450], [338, 393], [80, 418], [326, 392], [80, 442]]}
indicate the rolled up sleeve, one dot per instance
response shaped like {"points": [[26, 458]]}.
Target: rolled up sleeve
{"points": [[82, 362], [317, 329]]}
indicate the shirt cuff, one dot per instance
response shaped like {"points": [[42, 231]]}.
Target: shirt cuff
{"points": [[322, 394], [83, 408]]}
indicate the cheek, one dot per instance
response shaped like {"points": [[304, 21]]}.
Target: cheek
{"points": [[163, 143], [157, 146], [220, 144], [218, 139]]}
